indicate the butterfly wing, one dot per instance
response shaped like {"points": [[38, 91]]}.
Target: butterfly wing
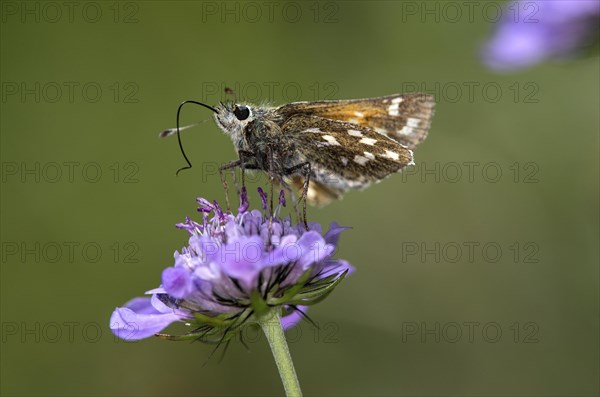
{"points": [[342, 155], [318, 194], [405, 118]]}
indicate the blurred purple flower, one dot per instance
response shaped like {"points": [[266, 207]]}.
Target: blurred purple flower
{"points": [[236, 267], [533, 31]]}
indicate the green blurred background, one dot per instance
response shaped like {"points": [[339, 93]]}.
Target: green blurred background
{"points": [[88, 93]]}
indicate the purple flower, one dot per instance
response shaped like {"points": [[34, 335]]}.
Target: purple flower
{"points": [[233, 269], [532, 31]]}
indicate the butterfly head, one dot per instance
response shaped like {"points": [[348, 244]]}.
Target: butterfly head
{"points": [[233, 117]]}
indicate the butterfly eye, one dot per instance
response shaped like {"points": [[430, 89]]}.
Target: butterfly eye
{"points": [[241, 112]]}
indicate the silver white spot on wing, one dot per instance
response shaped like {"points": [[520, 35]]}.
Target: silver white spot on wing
{"points": [[359, 114], [406, 130], [344, 161], [409, 128], [391, 155], [369, 155], [314, 130], [360, 160], [368, 141], [355, 133], [412, 122], [394, 108], [331, 140]]}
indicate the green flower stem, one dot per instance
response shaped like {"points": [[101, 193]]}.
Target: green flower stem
{"points": [[271, 326]]}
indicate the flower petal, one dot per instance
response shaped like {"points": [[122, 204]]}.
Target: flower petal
{"points": [[159, 290], [314, 249], [139, 320], [208, 272], [286, 252], [336, 266], [141, 306], [243, 259], [288, 321], [177, 281], [333, 234], [557, 29]]}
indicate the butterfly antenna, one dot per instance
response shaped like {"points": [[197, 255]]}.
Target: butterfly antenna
{"points": [[230, 91], [189, 165], [173, 131]]}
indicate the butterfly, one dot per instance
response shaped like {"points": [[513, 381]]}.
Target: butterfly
{"points": [[327, 147]]}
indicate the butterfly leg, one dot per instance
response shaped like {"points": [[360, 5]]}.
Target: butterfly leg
{"points": [[231, 165], [243, 163], [245, 158], [305, 169], [286, 186], [271, 179]]}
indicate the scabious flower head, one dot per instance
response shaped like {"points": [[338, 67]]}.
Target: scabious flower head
{"points": [[532, 31], [236, 267]]}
